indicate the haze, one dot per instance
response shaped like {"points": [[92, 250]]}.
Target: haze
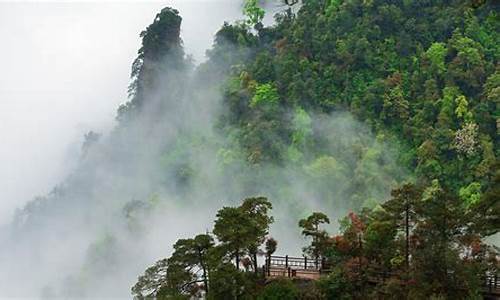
{"points": [[66, 69]]}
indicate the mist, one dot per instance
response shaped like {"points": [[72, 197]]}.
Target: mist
{"points": [[66, 70], [102, 215]]}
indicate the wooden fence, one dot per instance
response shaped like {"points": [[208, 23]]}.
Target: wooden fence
{"points": [[296, 267], [313, 269]]}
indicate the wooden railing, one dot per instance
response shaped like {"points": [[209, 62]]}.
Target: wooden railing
{"points": [[491, 284], [310, 268], [295, 262], [299, 267]]}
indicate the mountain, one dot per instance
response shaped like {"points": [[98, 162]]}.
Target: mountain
{"points": [[330, 108]]}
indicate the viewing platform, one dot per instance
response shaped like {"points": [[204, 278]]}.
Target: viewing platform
{"points": [[312, 269], [294, 267]]}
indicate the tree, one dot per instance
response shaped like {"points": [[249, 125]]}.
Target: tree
{"points": [[254, 13], [198, 264], [90, 139], [271, 245], [265, 94], [396, 107], [484, 215], [230, 229], [470, 194], [160, 54], [402, 208], [301, 135], [466, 139], [437, 234], [178, 276], [311, 228], [467, 68], [228, 282], [189, 257], [256, 210], [462, 110], [436, 55], [395, 67], [153, 282], [381, 247], [243, 229]]}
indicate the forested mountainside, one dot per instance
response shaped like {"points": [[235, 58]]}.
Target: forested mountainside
{"points": [[331, 108], [421, 74], [422, 79]]}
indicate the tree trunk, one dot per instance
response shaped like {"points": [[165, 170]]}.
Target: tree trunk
{"points": [[204, 268], [407, 243], [255, 262], [407, 237], [316, 250], [237, 257]]}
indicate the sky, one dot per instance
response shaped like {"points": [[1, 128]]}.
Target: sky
{"points": [[65, 70]]}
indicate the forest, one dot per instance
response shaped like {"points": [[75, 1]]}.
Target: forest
{"points": [[362, 136], [422, 76]]}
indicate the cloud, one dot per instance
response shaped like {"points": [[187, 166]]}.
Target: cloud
{"points": [[66, 68]]}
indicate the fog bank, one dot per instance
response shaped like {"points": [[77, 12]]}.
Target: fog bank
{"points": [[66, 67]]}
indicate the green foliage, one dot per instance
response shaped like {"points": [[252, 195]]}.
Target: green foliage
{"points": [[310, 229], [325, 167], [337, 285], [395, 106], [253, 12], [462, 110], [301, 135], [486, 212], [302, 129], [243, 229], [189, 255], [227, 282], [265, 94], [470, 194], [332, 7], [152, 283], [423, 77], [279, 289], [416, 84], [437, 54], [161, 49], [418, 230], [199, 267], [271, 246]]}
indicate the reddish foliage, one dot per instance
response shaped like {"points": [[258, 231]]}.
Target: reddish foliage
{"points": [[280, 45], [341, 244], [394, 80], [476, 247], [246, 262], [358, 225]]}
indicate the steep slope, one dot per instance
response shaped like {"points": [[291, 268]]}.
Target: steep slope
{"points": [[326, 110]]}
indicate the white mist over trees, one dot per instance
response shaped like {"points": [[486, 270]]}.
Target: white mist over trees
{"points": [[66, 69], [166, 168]]}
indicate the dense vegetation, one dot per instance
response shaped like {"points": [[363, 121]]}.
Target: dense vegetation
{"points": [[417, 242], [424, 77], [330, 109], [425, 74]]}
